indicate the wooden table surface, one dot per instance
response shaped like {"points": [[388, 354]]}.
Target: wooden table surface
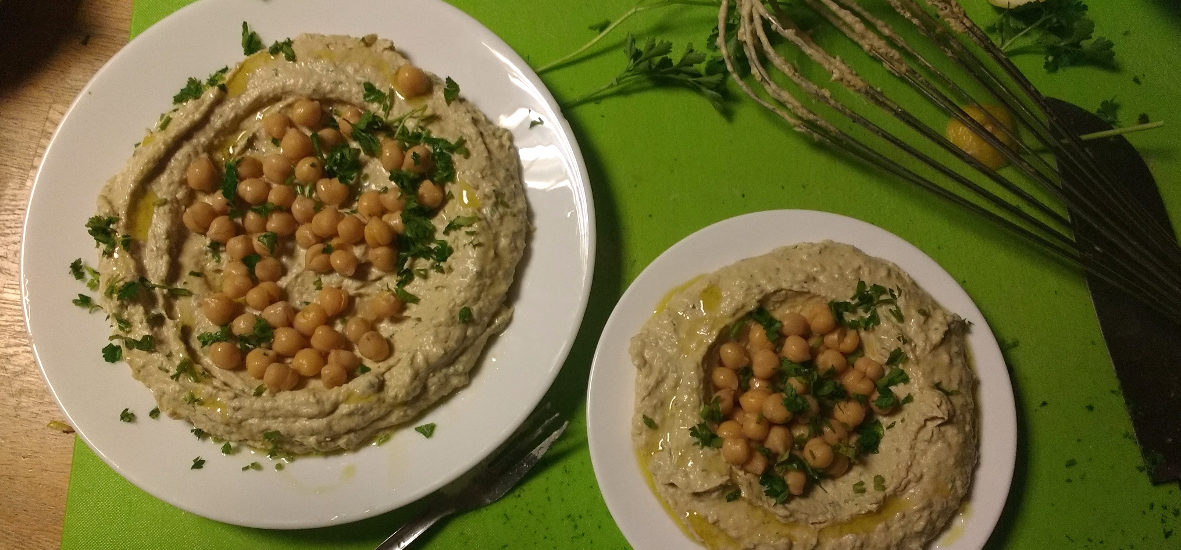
{"points": [[49, 52]]}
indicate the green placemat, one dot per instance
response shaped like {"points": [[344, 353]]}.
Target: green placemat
{"points": [[664, 164]]}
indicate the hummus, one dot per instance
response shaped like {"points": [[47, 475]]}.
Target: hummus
{"points": [[313, 247], [898, 489]]}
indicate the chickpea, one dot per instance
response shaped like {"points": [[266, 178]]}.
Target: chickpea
{"points": [[724, 378], [729, 428], [329, 138], [757, 463], [276, 124], [774, 410], [797, 482], [418, 160], [834, 433], [236, 286], [798, 384], [430, 195], [307, 362], [308, 170], [411, 81], [394, 220], [279, 314], [817, 453], [391, 154], [258, 360], [333, 375], [221, 229], [855, 382], [219, 203], [795, 324], [383, 258], [331, 191], [376, 232], [872, 370], [288, 341], [840, 465], [295, 144], [752, 400], [277, 376], [326, 339], [198, 217], [796, 349], [733, 355], [831, 360], [843, 340], [392, 200], [201, 174], [253, 222], [725, 399], [276, 168], [760, 384], [351, 229], [263, 295], [344, 261], [249, 167], [308, 318], [820, 318], [735, 450], [305, 237], [344, 358], [756, 338], [369, 205], [225, 355], [236, 267], [356, 327], [883, 411], [851, 413], [756, 429], [382, 305], [316, 260], [346, 117], [324, 223], [764, 363], [779, 440], [303, 209], [812, 409], [282, 224], [333, 299], [307, 113], [243, 324], [239, 246], [373, 346]]}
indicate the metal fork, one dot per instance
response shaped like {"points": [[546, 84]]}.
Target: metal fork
{"points": [[490, 480]]}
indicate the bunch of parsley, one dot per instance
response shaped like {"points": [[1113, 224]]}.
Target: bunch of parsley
{"points": [[1059, 30]]}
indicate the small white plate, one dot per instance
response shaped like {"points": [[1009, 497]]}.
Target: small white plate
{"points": [[96, 138], [610, 401]]}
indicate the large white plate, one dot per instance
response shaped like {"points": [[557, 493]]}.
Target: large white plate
{"points": [[611, 395], [95, 139]]}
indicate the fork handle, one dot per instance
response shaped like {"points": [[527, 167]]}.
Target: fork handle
{"points": [[405, 535]]}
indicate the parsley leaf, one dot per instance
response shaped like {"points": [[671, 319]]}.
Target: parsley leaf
{"points": [[1059, 30], [704, 436], [229, 180], [199, 462], [112, 353], [251, 43], [268, 239], [99, 227], [733, 495], [450, 90], [651, 65], [209, 338], [651, 424], [458, 223], [774, 486], [191, 90], [464, 315], [126, 416], [154, 413], [1109, 111], [770, 324], [284, 48], [427, 430], [86, 302]]}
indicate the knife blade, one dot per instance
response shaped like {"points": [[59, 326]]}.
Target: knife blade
{"points": [[1142, 343]]}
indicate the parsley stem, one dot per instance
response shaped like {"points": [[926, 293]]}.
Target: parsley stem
{"points": [[1122, 131], [639, 7], [1005, 45]]}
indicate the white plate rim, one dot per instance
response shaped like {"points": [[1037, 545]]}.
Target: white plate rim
{"points": [[610, 397], [577, 222]]}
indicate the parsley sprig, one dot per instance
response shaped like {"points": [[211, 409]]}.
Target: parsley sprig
{"points": [[650, 65], [1059, 30]]}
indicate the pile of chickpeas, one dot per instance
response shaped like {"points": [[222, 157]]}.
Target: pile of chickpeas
{"points": [[756, 418], [337, 232]]}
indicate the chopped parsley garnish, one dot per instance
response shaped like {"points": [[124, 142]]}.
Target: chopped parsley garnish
{"points": [[229, 180], [252, 466], [344, 162], [112, 353], [269, 239], [99, 227], [464, 315], [651, 424], [191, 90], [259, 390], [859, 487], [945, 391], [188, 369], [427, 430], [86, 302], [405, 296], [869, 437], [192, 399], [712, 411], [792, 400], [861, 310], [162, 124], [199, 433], [450, 90], [704, 436], [879, 483], [363, 369], [226, 448], [459, 222], [536, 122], [1109, 111], [251, 42], [198, 463], [284, 48], [207, 339], [261, 335], [770, 324], [733, 495], [154, 413], [126, 416], [373, 95], [275, 439], [774, 486]]}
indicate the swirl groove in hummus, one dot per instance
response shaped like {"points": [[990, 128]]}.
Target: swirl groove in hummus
{"points": [[901, 496], [451, 272]]}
